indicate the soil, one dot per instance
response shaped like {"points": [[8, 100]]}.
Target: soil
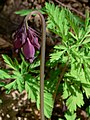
{"points": [[15, 106]]}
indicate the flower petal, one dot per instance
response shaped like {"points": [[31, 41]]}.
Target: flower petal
{"points": [[29, 50], [33, 38], [36, 43], [17, 43], [20, 37]]}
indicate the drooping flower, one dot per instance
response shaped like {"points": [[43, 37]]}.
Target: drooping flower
{"points": [[29, 50], [27, 39], [33, 37], [20, 37]]}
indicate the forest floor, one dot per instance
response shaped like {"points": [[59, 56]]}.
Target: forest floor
{"points": [[15, 106]]}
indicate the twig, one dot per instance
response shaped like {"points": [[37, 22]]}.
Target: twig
{"points": [[70, 8], [60, 78]]}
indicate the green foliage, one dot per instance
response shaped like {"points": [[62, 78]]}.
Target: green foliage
{"points": [[1, 101], [57, 22], [88, 111], [25, 12], [20, 74], [71, 55], [48, 104], [25, 76], [70, 116], [74, 49]]}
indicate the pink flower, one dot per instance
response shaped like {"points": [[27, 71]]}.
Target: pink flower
{"points": [[27, 39]]}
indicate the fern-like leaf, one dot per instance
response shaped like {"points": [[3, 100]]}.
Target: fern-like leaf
{"points": [[48, 104]]}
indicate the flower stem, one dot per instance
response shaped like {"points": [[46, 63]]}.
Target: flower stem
{"points": [[42, 61]]}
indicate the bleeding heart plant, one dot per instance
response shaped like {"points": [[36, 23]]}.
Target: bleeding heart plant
{"points": [[27, 39]]}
